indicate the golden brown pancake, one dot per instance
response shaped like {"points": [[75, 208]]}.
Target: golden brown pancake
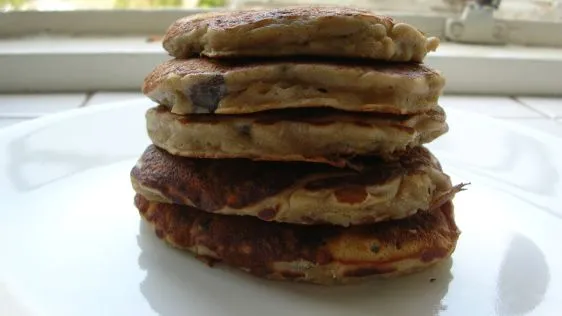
{"points": [[318, 31], [316, 135], [301, 193], [315, 254], [200, 85]]}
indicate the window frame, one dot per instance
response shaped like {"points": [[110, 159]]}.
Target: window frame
{"points": [[155, 22], [108, 65]]}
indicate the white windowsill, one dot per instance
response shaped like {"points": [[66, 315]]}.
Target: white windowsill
{"points": [[47, 64]]}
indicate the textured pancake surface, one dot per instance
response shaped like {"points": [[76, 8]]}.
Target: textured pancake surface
{"points": [[302, 193], [317, 254], [200, 85], [319, 31], [316, 135]]}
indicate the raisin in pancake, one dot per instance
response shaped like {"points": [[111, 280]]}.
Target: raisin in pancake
{"points": [[315, 135], [301, 193], [318, 31], [200, 85], [317, 254]]}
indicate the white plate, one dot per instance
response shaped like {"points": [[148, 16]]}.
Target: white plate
{"points": [[73, 244]]}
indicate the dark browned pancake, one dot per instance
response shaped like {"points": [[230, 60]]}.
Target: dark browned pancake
{"points": [[315, 254], [290, 31], [313, 134], [302, 193], [200, 85]]}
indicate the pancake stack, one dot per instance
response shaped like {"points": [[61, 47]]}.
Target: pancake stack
{"points": [[288, 143]]}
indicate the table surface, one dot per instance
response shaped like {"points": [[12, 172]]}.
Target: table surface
{"points": [[544, 114]]}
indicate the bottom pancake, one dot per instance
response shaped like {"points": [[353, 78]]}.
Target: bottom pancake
{"points": [[319, 254]]}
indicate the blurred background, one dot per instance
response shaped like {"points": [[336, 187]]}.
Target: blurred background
{"points": [[550, 10], [502, 58]]}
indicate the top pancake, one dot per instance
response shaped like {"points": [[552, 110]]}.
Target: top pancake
{"points": [[316, 30]]}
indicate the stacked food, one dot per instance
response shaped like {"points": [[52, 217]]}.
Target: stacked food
{"points": [[288, 143]]}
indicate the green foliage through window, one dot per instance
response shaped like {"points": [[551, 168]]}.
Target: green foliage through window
{"points": [[211, 3], [128, 4], [13, 4]]}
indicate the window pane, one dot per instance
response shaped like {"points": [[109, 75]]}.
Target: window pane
{"points": [[416, 6], [541, 10], [533, 10]]}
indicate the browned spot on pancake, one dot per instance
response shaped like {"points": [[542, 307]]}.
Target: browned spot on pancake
{"points": [[368, 219], [321, 123], [173, 194], [142, 204], [231, 200], [351, 195], [367, 271], [210, 261], [266, 121], [246, 249], [314, 221], [184, 121], [162, 109], [319, 221], [292, 274], [371, 172], [204, 224], [403, 128], [245, 130], [268, 213], [324, 257], [433, 253], [362, 124], [322, 184], [159, 233], [188, 119]]}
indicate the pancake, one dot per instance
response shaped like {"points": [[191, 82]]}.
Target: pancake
{"points": [[316, 30], [201, 85], [301, 193], [314, 135], [315, 254]]}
